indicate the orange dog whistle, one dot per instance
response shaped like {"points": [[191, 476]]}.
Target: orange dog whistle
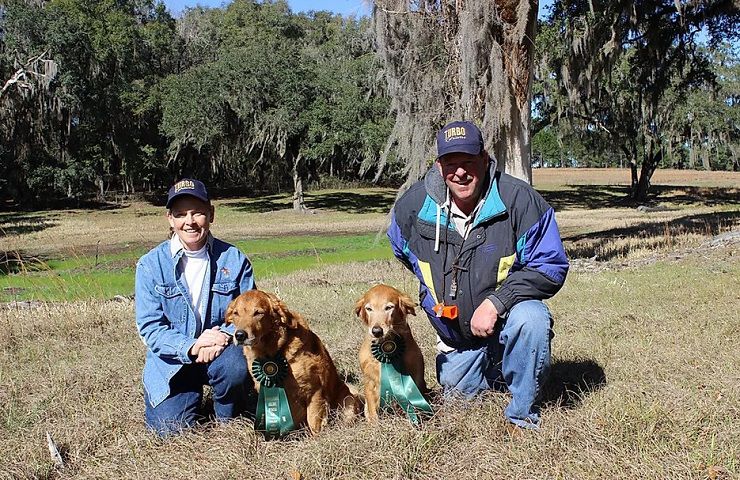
{"points": [[445, 311]]}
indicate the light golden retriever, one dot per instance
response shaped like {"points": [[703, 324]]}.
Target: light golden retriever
{"points": [[265, 327], [384, 309]]}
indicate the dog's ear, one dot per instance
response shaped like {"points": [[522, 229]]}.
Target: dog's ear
{"points": [[229, 312], [281, 311], [406, 305], [360, 308]]}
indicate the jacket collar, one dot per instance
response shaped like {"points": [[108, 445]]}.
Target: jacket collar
{"points": [[176, 247]]}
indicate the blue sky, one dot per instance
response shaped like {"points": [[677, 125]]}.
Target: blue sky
{"points": [[345, 7]]}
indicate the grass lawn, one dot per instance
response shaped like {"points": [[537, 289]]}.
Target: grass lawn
{"points": [[644, 383], [108, 275]]}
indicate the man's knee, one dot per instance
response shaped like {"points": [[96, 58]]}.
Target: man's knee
{"points": [[464, 372], [529, 320]]}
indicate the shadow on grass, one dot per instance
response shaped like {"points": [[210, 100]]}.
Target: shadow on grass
{"points": [[17, 223], [351, 202], [708, 224], [571, 381], [349, 377], [346, 202], [17, 261], [266, 203], [610, 196], [587, 196]]}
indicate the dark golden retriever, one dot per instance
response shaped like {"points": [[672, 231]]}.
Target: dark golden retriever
{"points": [[265, 327], [383, 309]]}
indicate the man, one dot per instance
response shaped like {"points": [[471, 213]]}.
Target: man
{"points": [[183, 288], [486, 249]]}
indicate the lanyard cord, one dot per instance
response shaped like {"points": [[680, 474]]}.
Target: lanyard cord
{"points": [[455, 265]]}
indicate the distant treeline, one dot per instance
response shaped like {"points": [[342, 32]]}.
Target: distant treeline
{"points": [[118, 96]]}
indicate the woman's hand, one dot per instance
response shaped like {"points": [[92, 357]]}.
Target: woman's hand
{"points": [[208, 354], [209, 338]]}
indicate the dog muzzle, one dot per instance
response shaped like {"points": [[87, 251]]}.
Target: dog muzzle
{"points": [[241, 338]]}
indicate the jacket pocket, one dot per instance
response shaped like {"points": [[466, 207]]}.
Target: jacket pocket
{"points": [[224, 288], [167, 291], [174, 304]]}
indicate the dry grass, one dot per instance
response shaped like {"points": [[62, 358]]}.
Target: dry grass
{"points": [[645, 382], [548, 177], [645, 385], [82, 231]]}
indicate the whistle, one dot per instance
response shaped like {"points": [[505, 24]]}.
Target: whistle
{"points": [[445, 311]]}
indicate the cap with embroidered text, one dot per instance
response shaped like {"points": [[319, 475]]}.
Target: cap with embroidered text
{"points": [[459, 137], [187, 186]]}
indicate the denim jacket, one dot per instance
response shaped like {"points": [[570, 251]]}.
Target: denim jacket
{"points": [[164, 315]]}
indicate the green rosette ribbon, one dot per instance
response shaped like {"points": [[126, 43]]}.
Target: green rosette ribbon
{"points": [[273, 411], [395, 384]]}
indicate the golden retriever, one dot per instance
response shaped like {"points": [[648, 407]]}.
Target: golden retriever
{"points": [[384, 309], [265, 327]]}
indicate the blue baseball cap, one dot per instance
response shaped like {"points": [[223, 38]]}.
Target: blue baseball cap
{"points": [[459, 137], [187, 186]]}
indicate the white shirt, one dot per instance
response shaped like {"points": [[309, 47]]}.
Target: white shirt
{"points": [[461, 221], [194, 268]]}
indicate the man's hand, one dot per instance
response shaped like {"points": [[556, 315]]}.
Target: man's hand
{"points": [[484, 319], [209, 338]]}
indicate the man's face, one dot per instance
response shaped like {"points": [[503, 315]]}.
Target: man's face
{"points": [[464, 175], [191, 219]]}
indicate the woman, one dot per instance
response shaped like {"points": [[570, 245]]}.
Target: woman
{"points": [[183, 287]]}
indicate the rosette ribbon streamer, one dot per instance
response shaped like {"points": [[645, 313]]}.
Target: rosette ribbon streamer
{"points": [[273, 411], [395, 384]]}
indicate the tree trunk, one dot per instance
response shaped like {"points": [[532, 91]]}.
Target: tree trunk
{"points": [[514, 149], [445, 61], [632, 158], [101, 188], [705, 158], [298, 202], [649, 164], [692, 154]]}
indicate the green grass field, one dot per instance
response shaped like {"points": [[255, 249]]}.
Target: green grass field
{"points": [[105, 276], [645, 379]]}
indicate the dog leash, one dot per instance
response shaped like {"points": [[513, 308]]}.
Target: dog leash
{"points": [[396, 385], [273, 415]]}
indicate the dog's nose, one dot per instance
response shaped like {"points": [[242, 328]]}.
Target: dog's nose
{"points": [[377, 331], [240, 336]]}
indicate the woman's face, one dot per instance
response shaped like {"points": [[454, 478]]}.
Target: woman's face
{"points": [[191, 219]]}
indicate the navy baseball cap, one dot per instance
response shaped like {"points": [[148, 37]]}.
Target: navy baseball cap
{"points": [[187, 186], [459, 137]]}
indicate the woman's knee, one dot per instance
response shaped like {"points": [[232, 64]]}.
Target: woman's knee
{"points": [[229, 369], [173, 415]]}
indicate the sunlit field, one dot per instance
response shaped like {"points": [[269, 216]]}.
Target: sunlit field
{"points": [[645, 381]]}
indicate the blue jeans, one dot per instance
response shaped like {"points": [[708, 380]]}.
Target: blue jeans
{"points": [[516, 357], [226, 374]]}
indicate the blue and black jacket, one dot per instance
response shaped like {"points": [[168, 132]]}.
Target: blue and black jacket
{"points": [[513, 251]]}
